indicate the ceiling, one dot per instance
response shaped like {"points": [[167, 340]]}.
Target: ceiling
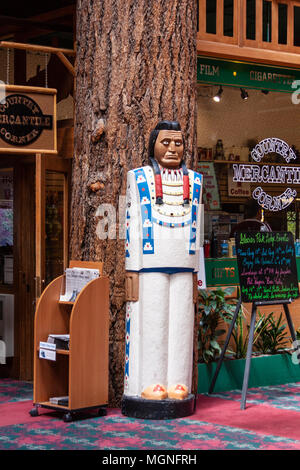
{"points": [[50, 22]]}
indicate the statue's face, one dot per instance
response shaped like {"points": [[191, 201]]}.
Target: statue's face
{"points": [[168, 148]]}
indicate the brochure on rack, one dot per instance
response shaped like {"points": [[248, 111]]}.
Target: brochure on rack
{"points": [[47, 351], [61, 341], [76, 279], [63, 401]]}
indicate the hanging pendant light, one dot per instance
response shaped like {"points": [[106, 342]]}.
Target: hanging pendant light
{"points": [[244, 94], [217, 97]]}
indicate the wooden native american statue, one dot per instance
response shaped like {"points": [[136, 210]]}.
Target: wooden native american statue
{"points": [[163, 205]]}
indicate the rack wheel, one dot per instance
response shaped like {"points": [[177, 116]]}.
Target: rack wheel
{"points": [[102, 412], [67, 417], [34, 412]]}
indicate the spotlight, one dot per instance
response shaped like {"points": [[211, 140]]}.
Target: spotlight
{"points": [[244, 94], [217, 97]]}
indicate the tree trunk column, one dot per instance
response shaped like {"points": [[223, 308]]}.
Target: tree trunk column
{"points": [[135, 65]]}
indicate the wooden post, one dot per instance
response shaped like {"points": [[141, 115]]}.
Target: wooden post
{"points": [[40, 223]]}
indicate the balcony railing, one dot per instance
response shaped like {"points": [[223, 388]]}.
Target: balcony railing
{"points": [[272, 25]]}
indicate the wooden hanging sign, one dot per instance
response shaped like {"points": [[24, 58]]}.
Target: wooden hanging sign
{"points": [[27, 119]]}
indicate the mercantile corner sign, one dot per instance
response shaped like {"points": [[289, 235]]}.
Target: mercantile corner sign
{"points": [[27, 120], [270, 174]]}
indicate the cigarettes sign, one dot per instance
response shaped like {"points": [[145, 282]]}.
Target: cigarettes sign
{"points": [[270, 174]]}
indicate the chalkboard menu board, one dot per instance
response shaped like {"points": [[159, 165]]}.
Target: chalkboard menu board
{"points": [[267, 266]]}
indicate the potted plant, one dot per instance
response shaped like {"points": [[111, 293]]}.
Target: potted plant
{"points": [[212, 310], [270, 363]]}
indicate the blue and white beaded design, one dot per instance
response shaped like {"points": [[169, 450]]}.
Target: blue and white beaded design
{"points": [[127, 345], [146, 211], [127, 235], [171, 224], [194, 212]]}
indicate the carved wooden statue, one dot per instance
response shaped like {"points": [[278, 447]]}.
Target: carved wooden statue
{"points": [[162, 260]]}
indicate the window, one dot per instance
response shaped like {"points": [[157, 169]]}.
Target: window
{"points": [[250, 19], [296, 26], [228, 18], [267, 21], [282, 23], [211, 16]]}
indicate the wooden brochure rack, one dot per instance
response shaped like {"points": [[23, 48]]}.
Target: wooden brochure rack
{"points": [[81, 373]]}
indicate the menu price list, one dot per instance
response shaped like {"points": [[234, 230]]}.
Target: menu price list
{"points": [[267, 266]]}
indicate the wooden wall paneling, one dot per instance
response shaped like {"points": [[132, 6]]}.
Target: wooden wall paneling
{"points": [[248, 53], [40, 224], [65, 137], [15, 372], [219, 45], [62, 165], [290, 25], [67, 186], [220, 18], [274, 24], [25, 254], [259, 23], [240, 21], [202, 18]]}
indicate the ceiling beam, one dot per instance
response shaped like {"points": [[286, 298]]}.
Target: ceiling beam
{"points": [[55, 14], [29, 23]]}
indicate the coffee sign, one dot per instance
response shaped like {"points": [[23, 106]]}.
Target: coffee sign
{"points": [[28, 120]]}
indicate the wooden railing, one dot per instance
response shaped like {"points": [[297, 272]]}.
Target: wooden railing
{"points": [[272, 25]]}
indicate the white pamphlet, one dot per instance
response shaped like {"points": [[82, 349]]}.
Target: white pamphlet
{"points": [[76, 279]]}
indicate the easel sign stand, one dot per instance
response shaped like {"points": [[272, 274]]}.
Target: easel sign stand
{"points": [[268, 276]]}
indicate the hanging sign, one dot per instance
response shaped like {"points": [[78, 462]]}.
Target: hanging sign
{"points": [[271, 174], [246, 75], [27, 120]]}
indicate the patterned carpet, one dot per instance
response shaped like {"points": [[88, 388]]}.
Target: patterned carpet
{"points": [[271, 421]]}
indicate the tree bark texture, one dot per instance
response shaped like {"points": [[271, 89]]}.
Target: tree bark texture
{"points": [[135, 65]]}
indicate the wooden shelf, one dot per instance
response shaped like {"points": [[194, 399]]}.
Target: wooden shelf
{"points": [[65, 352], [48, 404], [81, 373]]}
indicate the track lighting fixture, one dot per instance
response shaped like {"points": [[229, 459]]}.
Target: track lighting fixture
{"points": [[217, 97], [244, 94]]}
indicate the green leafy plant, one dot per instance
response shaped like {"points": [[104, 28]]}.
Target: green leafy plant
{"points": [[240, 334], [213, 309], [272, 337]]}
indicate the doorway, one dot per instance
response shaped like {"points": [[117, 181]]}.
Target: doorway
{"points": [[34, 195]]}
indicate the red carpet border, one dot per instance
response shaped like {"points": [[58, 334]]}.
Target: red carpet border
{"points": [[271, 421]]}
